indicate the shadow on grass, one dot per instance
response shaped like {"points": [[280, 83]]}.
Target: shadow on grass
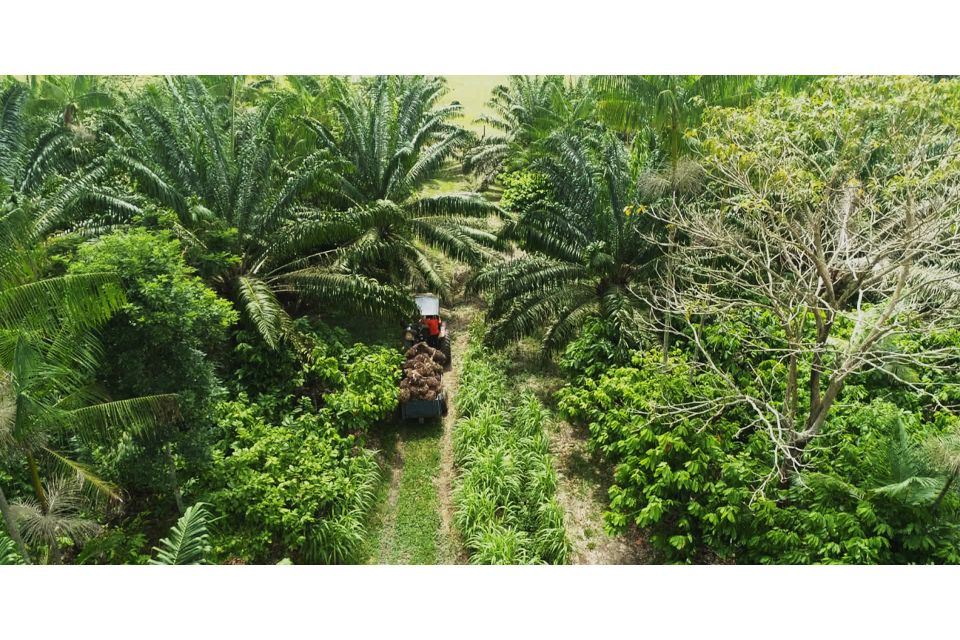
{"points": [[587, 466], [529, 368]]}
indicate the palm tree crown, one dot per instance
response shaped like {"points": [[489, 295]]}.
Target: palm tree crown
{"points": [[394, 138], [585, 248], [218, 170], [55, 173]]}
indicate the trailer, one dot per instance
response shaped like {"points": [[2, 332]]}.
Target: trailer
{"points": [[423, 409], [427, 347]]}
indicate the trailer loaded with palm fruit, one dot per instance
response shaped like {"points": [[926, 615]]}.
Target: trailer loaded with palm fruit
{"points": [[421, 387]]}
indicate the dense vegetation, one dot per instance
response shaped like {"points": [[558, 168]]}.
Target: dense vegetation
{"points": [[505, 499], [750, 286]]}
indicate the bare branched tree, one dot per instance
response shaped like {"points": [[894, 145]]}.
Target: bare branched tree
{"points": [[834, 239]]}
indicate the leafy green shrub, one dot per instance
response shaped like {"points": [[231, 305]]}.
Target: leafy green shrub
{"points": [[869, 497], [357, 383], [590, 353], [676, 478], [366, 390], [158, 343], [8, 551], [117, 545], [259, 368], [522, 189], [505, 492], [289, 474], [294, 486], [699, 484]]}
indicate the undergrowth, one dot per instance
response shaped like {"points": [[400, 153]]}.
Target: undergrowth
{"points": [[505, 493]]}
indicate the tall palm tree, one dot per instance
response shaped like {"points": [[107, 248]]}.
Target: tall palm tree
{"points": [[661, 109], [585, 253], [58, 175], [46, 344], [394, 138], [218, 170], [70, 97], [522, 111]]}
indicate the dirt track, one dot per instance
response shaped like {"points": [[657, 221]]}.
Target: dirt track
{"points": [[458, 323]]}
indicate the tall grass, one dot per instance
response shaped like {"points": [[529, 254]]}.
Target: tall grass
{"points": [[505, 494]]}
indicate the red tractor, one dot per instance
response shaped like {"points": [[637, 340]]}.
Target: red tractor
{"points": [[430, 328]]}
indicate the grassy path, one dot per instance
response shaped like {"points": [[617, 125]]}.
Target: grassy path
{"points": [[582, 482], [413, 520], [406, 527]]}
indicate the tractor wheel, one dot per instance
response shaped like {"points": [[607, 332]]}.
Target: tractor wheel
{"points": [[445, 350], [443, 406]]}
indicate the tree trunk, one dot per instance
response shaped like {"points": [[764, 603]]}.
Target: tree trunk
{"points": [[667, 317], [55, 556], [37, 484], [943, 492], [173, 478], [12, 527]]}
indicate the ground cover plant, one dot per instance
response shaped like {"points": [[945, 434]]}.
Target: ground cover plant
{"points": [[505, 500]]}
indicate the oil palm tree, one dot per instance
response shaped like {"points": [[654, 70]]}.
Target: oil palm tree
{"points": [[585, 255], [394, 137], [309, 104], [519, 114], [218, 170], [58, 174]]}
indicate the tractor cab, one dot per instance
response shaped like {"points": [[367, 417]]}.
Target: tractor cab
{"points": [[429, 327]]}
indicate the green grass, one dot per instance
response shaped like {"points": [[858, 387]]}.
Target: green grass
{"points": [[505, 493], [385, 439], [418, 505], [408, 532]]}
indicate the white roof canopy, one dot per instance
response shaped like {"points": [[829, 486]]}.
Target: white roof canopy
{"points": [[429, 304]]}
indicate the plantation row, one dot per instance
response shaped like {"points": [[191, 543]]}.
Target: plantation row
{"points": [[748, 285], [506, 507]]}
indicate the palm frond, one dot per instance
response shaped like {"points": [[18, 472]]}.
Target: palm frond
{"points": [[188, 542], [262, 308], [87, 300], [136, 415]]}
